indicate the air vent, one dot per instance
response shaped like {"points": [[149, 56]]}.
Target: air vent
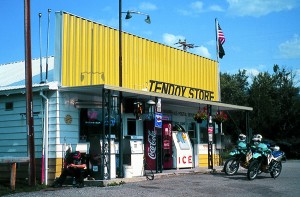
{"points": [[9, 106]]}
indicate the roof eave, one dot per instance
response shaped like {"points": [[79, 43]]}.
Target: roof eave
{"points": [[146, 94], [35, 88]]}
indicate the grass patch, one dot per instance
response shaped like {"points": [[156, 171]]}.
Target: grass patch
{"points": [[115, 183], [21, 186]]}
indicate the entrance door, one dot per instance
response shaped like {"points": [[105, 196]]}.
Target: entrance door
{"points": [[167, 144]]}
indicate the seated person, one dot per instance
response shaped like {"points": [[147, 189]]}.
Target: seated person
{"points": [[73, 166]]}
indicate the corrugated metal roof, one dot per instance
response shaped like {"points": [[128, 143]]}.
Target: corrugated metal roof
{"points": [[7, 90], [13, 74]]}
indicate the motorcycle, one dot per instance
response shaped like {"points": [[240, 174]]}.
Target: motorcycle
{"points": [[240, 156], [266, 159]]}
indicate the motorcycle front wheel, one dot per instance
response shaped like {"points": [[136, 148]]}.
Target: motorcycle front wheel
{"points": [[253, 170], [276, 170], [231, 166]]}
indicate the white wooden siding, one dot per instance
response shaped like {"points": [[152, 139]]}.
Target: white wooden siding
{"points": [[13, 132], [66, 133]]}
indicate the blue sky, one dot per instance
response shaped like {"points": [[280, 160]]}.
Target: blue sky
{"points": [[259, 33]]}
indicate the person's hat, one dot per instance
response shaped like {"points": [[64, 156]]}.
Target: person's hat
{"points": [[76, 155]]}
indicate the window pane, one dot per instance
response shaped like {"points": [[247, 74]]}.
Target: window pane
{"points": [[131, 126]]}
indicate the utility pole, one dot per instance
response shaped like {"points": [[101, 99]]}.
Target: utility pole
{"points": [[29, 103]]}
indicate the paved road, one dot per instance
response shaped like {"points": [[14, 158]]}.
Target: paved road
{"points": [[195, 184]]}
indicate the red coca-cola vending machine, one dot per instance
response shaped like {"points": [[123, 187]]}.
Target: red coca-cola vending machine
{"points": [[150, 145], [167, 144]]}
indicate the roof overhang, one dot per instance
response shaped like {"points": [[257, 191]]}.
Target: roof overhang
{"points": [[9, 90], [167, 99]]}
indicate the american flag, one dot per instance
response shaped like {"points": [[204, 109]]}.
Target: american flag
{"points": [[221, 35]]}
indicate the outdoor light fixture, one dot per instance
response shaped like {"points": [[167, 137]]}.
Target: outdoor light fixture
{"points": [[129, 16], [151, 104], [87, 104], [147, 20], [138, 110], [115, 103]]}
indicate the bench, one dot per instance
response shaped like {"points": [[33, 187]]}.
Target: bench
{"points": [[13, 172]]}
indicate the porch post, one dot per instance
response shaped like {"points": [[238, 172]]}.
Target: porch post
{"points": [[121, 174], [210, 130], [247, 127]]}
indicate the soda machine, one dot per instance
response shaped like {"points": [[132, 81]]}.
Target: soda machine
{"points": [[182, 148], [150, 145], [167, 144]]}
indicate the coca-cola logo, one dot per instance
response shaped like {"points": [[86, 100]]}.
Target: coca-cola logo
{"points": [[170, 129], [152, 144]]}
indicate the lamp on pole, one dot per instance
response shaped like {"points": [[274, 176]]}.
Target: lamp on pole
{"points": [[128, 16]]}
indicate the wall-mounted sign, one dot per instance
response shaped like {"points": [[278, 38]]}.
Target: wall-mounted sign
{"points": [[158, 120], [68, 119], [158, 105], [178, 90], [112, 121]]}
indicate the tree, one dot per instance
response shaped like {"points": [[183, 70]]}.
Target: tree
{"points": [[275, 100], [286, 98], [234, 90], [262, 99]]}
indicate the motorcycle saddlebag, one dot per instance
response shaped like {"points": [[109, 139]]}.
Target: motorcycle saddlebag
{"points": [[277, 153]]}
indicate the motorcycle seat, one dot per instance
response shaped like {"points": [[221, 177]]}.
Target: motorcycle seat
{"points": [[277, 153]]}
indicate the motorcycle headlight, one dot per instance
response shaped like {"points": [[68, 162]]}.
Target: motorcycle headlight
{"points": [[276, 148]]}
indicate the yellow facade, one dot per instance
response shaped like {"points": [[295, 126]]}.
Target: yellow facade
{"points": [[90, 56], [203, 160]]}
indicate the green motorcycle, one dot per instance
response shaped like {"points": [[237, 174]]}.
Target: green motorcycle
{"points": [[240, 156], [266, 159]]}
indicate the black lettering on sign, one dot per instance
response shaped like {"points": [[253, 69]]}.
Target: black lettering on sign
{"points": [[178, 90]]}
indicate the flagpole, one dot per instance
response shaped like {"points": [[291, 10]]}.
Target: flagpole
{"points": [[217, 41], [217, 49]]}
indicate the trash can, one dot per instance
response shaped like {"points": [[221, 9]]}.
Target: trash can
{"points": [[128, 171], [133, 154]]}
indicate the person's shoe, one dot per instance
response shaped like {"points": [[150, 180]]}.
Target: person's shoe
{"points": [[56, 185], [79, 185]]}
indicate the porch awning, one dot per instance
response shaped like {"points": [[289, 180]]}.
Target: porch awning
{"points": [[146, 95]]}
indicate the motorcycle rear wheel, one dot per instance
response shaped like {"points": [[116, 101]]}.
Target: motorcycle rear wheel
{"points": [[231, 166], [253, 170], [276, 170]]}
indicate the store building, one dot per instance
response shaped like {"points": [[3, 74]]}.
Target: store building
{"points": [[82, 104]]}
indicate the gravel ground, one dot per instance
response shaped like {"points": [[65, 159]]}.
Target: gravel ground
{"points": [[134, 187], [128, 189]]}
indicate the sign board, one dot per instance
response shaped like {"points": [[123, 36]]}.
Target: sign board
{"points": [[158, 120]]}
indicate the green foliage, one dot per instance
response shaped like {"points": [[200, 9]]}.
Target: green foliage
{"points": [[275, 100], [21, 186], [234, 90], [116, 183]]}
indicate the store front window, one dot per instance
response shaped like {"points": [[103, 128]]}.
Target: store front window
{"points": [[90, 123], [203, 134], [131, 126]]}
